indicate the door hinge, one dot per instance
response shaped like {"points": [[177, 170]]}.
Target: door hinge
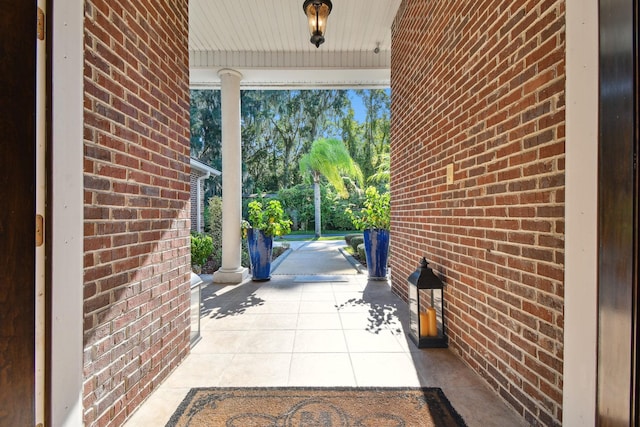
{"points": [[39, 230], [40, 24]]}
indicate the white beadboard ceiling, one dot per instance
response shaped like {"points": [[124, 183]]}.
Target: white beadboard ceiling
{"points": [[268, 42]]}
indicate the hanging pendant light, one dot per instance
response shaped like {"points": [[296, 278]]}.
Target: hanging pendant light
{"points": [[317, 12]]}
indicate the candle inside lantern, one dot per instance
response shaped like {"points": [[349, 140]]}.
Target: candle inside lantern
{"points": [[432, 324], [424, 324]]}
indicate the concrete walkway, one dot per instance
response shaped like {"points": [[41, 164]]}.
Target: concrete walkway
{"points": [[329, 328], [314, 258]]}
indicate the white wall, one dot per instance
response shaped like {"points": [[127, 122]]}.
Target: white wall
{"points": [[580, 332], [67, 213]]}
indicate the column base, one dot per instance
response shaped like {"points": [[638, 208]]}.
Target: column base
{"points": [[230, 276]]}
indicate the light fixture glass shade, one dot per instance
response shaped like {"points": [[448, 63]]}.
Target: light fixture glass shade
{"points": [[317, 12]]}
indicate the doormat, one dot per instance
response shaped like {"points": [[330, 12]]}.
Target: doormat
{"points": [[321, 278], [304, 406]]}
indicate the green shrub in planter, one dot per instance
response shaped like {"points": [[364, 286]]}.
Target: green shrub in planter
{"points": [[348, 237], [361, 253], [355, 241], [201, 248]]}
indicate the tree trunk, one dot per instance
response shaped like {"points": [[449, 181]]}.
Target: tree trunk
{"points": [[316, 203]]}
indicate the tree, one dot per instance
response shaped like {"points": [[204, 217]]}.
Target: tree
{"points": [[328, 158], [206, 134], [375, 130]]}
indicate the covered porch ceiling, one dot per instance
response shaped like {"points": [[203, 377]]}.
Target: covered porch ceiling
{"points": [[268, 42]]}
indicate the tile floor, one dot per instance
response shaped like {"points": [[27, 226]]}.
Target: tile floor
{"points": [[290, 333]]}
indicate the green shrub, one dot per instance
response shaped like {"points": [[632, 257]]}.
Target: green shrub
{"points": [[206, 218], [348, 237], [355, 241], [376, 211], [215, 229], [201, 248], [268, 217], [298, 203], [361, 253]]}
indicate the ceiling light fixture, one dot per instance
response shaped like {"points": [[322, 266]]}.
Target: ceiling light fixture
{"points": [[317, 12]]}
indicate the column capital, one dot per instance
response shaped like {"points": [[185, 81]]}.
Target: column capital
{"points": [[229, 72]]}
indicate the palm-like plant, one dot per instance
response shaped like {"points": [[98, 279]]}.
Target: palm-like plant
{"points": [[329, 158]]}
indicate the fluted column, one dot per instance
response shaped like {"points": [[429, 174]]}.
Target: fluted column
{"points": [[231, 270]]}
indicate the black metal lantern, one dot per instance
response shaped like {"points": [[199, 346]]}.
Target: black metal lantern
{"points": [[426, 308], [317, 12]]}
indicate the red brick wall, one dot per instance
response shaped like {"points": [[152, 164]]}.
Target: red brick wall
{"points": [[480, 84], [136, 179]]}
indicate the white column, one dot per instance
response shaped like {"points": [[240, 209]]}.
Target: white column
{"points": [[231, 271]]}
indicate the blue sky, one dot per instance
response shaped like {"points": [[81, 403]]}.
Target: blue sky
{"points": [[358, 108]]}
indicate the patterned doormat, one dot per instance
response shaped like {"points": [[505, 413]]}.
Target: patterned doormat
{"points": [[306, 407]]}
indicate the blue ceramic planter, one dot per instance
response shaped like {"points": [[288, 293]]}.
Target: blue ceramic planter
{"points": [[260, 249], [376, 247]]}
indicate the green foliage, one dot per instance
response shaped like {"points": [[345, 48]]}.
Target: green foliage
{"points": [[361, 253], [376, 212], [268, 217], [214, 207], [348, 237], [357, 240], [279, 127], [297, 201], [330, 158], [201, 248], [334, 209], [206, 218]]}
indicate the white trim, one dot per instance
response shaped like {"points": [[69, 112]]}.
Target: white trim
{"points": [[296, 78], [291, 60], [41, 192], [581, 313], [202, 167], [67, 213]]}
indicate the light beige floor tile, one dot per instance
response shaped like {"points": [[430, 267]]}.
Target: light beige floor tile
{"points": [[283, 332], [320, 341], [158, 408], [384, 369], [318, 296], [403, 339], [276, 307], [267, 341], [216, 342], [229, 323], [471, 404], [317, 307], [272, 295], [317, 287], [199, 370], [319, 321], [325, 369], [350, 303], [356, 321], [275, 321], [382, 341], [257, 370]]}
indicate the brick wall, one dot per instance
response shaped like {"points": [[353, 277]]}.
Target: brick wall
{"points": [[136, 179], [480, 85]]}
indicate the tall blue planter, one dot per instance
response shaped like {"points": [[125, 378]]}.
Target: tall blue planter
{"points": [[260, 249], [376, 247]]}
